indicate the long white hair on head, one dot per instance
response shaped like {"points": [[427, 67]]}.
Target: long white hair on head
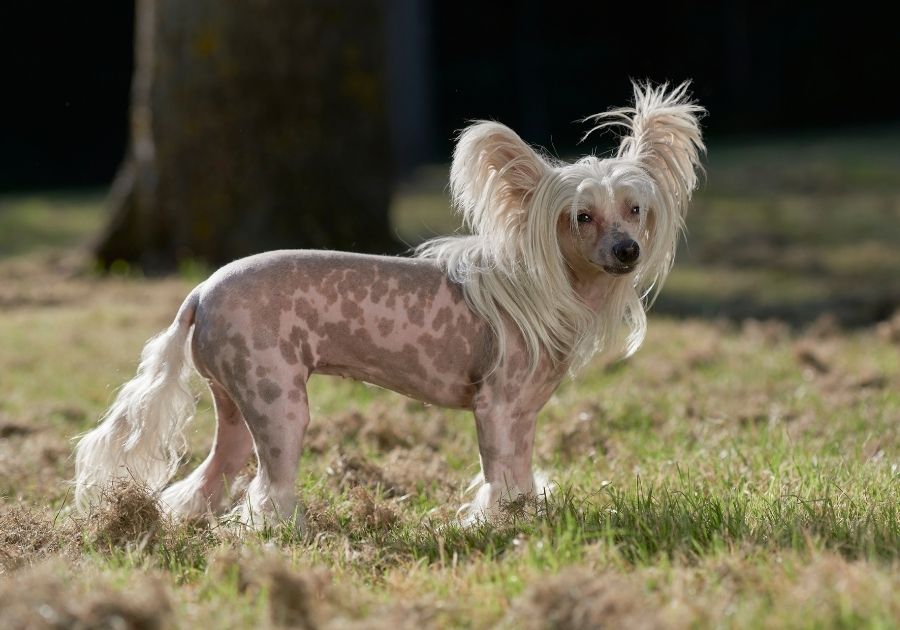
{"points": [[511, 267]]}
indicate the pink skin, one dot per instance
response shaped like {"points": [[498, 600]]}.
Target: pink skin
{"points": [[265, 323]]}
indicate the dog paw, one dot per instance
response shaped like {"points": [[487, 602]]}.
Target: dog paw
{"points": [[495, 502]]}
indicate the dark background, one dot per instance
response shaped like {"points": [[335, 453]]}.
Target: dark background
{"points": [[758, 67]]}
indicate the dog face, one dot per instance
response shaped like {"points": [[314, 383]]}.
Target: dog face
{"points": [[605, 227]]}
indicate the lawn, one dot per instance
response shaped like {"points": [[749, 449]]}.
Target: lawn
{"points": [[742, 470]]}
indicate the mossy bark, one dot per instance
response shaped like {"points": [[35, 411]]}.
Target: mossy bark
{"points": [[254, 126]]}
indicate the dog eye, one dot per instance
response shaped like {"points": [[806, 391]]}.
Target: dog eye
{"points": [[636, 210], [584, 217]]}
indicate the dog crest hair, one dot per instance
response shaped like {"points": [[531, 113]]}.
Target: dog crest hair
{"points": [[510, 197]]}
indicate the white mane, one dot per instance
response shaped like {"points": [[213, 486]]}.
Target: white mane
{"points": [[511, 267]]}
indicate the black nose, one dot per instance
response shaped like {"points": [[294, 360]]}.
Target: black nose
{"points": [[626, 251]]}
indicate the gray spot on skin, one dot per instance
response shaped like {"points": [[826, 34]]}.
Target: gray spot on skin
{"points": [[241, 363], [263, 339], [443, 317], [416, 313], [379, 289], [522, 427], [351, 310], [385, 327], [269, 390], [304, 309], [288, 352], [254, 418]]}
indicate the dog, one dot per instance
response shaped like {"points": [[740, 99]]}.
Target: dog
{"points": [[559, 264]]}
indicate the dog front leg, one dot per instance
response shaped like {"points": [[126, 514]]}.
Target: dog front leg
{"points": [[505, 443]]}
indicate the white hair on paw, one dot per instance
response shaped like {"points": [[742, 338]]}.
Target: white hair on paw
{"points": [[487, 502]]}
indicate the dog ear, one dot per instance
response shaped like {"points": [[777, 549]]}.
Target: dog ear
{"points": [[493, 174], [663, 135], [666, 138]]}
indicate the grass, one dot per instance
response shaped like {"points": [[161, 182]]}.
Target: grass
{"points": [[742, 470]]}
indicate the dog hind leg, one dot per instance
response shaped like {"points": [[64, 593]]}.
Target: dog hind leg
{"points": [[202, 492], [277, 431]]}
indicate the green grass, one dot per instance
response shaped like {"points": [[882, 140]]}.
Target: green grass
{"points": [[737, 472]]}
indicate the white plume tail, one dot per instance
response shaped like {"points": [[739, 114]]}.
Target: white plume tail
{"points": [[140, 436]]}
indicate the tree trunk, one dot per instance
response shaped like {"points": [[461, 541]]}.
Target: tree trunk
{"points": [[255, 125]]}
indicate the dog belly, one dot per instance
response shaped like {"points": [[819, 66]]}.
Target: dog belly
{"points": [[452, 395]]}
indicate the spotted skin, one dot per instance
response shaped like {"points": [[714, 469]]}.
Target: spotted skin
{"points": [[264, 324]]}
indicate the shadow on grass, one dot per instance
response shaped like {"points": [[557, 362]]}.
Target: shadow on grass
{"points": [[855, 308]]}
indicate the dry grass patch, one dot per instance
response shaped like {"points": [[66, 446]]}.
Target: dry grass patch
{"points": [[369, 514], [126, 516], [34, 460], [580, 599], [400, 473], [26, 536], [831, 588], [383, 426], [47, 597], [351, 470], [296, 597], [889, 330]]}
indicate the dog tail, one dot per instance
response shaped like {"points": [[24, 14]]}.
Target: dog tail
{"points": [[140, 436]]}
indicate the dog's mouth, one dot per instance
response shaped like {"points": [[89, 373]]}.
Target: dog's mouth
{"points": [[618, 270]]}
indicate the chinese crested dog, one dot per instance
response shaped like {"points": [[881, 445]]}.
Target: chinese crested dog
{"points": [[558, 266]]}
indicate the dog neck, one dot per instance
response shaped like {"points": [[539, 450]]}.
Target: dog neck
{"points": [[594, 288]]}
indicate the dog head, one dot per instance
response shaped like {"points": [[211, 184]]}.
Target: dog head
{"points": [[604, 227], [546, 233], [617, 216]]}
